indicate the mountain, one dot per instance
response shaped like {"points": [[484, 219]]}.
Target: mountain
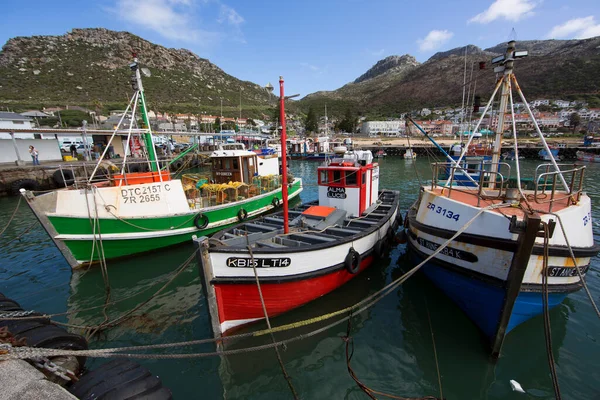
{"points": [[389, 65], [90, 66], [554, 69]]}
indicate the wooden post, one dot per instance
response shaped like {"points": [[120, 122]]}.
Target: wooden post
{"points": [[528, 230]]}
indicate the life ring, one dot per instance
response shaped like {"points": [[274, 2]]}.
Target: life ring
{"points": [[352, 261], [201, 221], [65, 178], [242, 214], [275, 202]]}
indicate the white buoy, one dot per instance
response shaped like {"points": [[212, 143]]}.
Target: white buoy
{"points": [[516, 386]]}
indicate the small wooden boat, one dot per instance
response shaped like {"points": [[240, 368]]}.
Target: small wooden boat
{"points": [[328, 243]]}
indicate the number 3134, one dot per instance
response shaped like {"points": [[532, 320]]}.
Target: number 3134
{"points": [[446, 213]]}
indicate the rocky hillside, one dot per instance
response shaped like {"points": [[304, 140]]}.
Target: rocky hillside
{"points": [[90, 66], [555, 69], [389, 65]]}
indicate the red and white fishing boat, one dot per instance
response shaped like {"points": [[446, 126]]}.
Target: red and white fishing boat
{"points": [[589, 157], [303, 253]]}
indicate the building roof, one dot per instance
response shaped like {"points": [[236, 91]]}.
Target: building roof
{"points": [[34, 113], [11, 116]]}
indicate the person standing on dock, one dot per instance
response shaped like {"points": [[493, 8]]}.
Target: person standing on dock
{"points": [[34, 155], [73, 149]]}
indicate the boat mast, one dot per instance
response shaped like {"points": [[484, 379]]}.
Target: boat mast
{"points": [[137, 85], [507, 60], [284, 185], [326, 122]]}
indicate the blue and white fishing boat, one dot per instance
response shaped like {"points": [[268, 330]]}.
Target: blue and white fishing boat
{"points": [[495, 270]]}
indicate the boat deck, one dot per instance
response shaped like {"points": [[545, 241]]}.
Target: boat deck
{"points": [[307, 228], [471, 197]]}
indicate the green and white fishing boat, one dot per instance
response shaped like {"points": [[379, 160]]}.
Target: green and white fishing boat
{"points": [[137, 206]]}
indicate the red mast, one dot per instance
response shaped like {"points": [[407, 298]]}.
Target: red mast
{"points": [[284, 185]]}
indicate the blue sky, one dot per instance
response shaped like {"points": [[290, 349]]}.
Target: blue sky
{"points": [[315, 45]]}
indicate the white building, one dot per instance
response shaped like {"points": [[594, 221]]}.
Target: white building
{"points": [[425, 112], [562, 103], [540, 102], [10, 120], [387, 128]]}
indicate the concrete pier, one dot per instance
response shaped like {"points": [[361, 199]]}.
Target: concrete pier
{"points": [[21, 381]]}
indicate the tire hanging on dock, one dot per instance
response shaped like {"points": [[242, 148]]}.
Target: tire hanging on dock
{"points": [[27, 184], [63, 177], [352, 261], [275, 202]]}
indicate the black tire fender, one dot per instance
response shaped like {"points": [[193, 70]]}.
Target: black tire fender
{"points": [[27, 184], [201, 221], [275, 202], [242, 214], [381, 249], [352, 261], [389, 236], [120, 379], [68, 179]]}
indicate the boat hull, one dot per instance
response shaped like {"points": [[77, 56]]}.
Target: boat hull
{"points": [[482, 301], [77, 238], [239, 303], [473, 270], [289, 275]]}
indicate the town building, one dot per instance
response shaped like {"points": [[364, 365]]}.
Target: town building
{"points": [[386, 128]]}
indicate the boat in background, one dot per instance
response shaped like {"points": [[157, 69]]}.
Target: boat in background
{"points": [[409, 154], [495, 270], [550, 154], [112, 211], [380, 154], [588, 157]]}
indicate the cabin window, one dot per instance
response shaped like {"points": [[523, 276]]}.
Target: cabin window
{"points": [[337, 177], [236, 164], [251, 161], [227, 163], [351, 178], [323, 177]]}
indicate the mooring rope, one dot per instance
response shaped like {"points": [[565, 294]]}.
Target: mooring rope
{"points": [[10, 220], [546, 315], [370, 301], [264, 308]]}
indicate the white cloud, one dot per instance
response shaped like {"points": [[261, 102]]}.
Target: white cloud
{"points": [[310, 66], [579, 28], [434, 40], [178, 19], [229, 15], [511, 10]]}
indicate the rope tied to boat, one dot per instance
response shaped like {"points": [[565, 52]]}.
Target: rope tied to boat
{"points": [[368, 302], [264, 307]]}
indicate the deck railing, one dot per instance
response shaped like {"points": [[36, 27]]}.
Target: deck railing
{"points": [[546, 181], [489, 184]]}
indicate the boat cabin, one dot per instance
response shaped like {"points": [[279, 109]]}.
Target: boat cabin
{"points": [[233, 163], [350, 182]]}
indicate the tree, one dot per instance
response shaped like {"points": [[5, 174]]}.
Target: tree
{"points": [[574, 121], [349, 122], [311, 124], [218, 124]]}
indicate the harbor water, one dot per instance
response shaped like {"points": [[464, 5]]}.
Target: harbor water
{"points": [[393, 341]]}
